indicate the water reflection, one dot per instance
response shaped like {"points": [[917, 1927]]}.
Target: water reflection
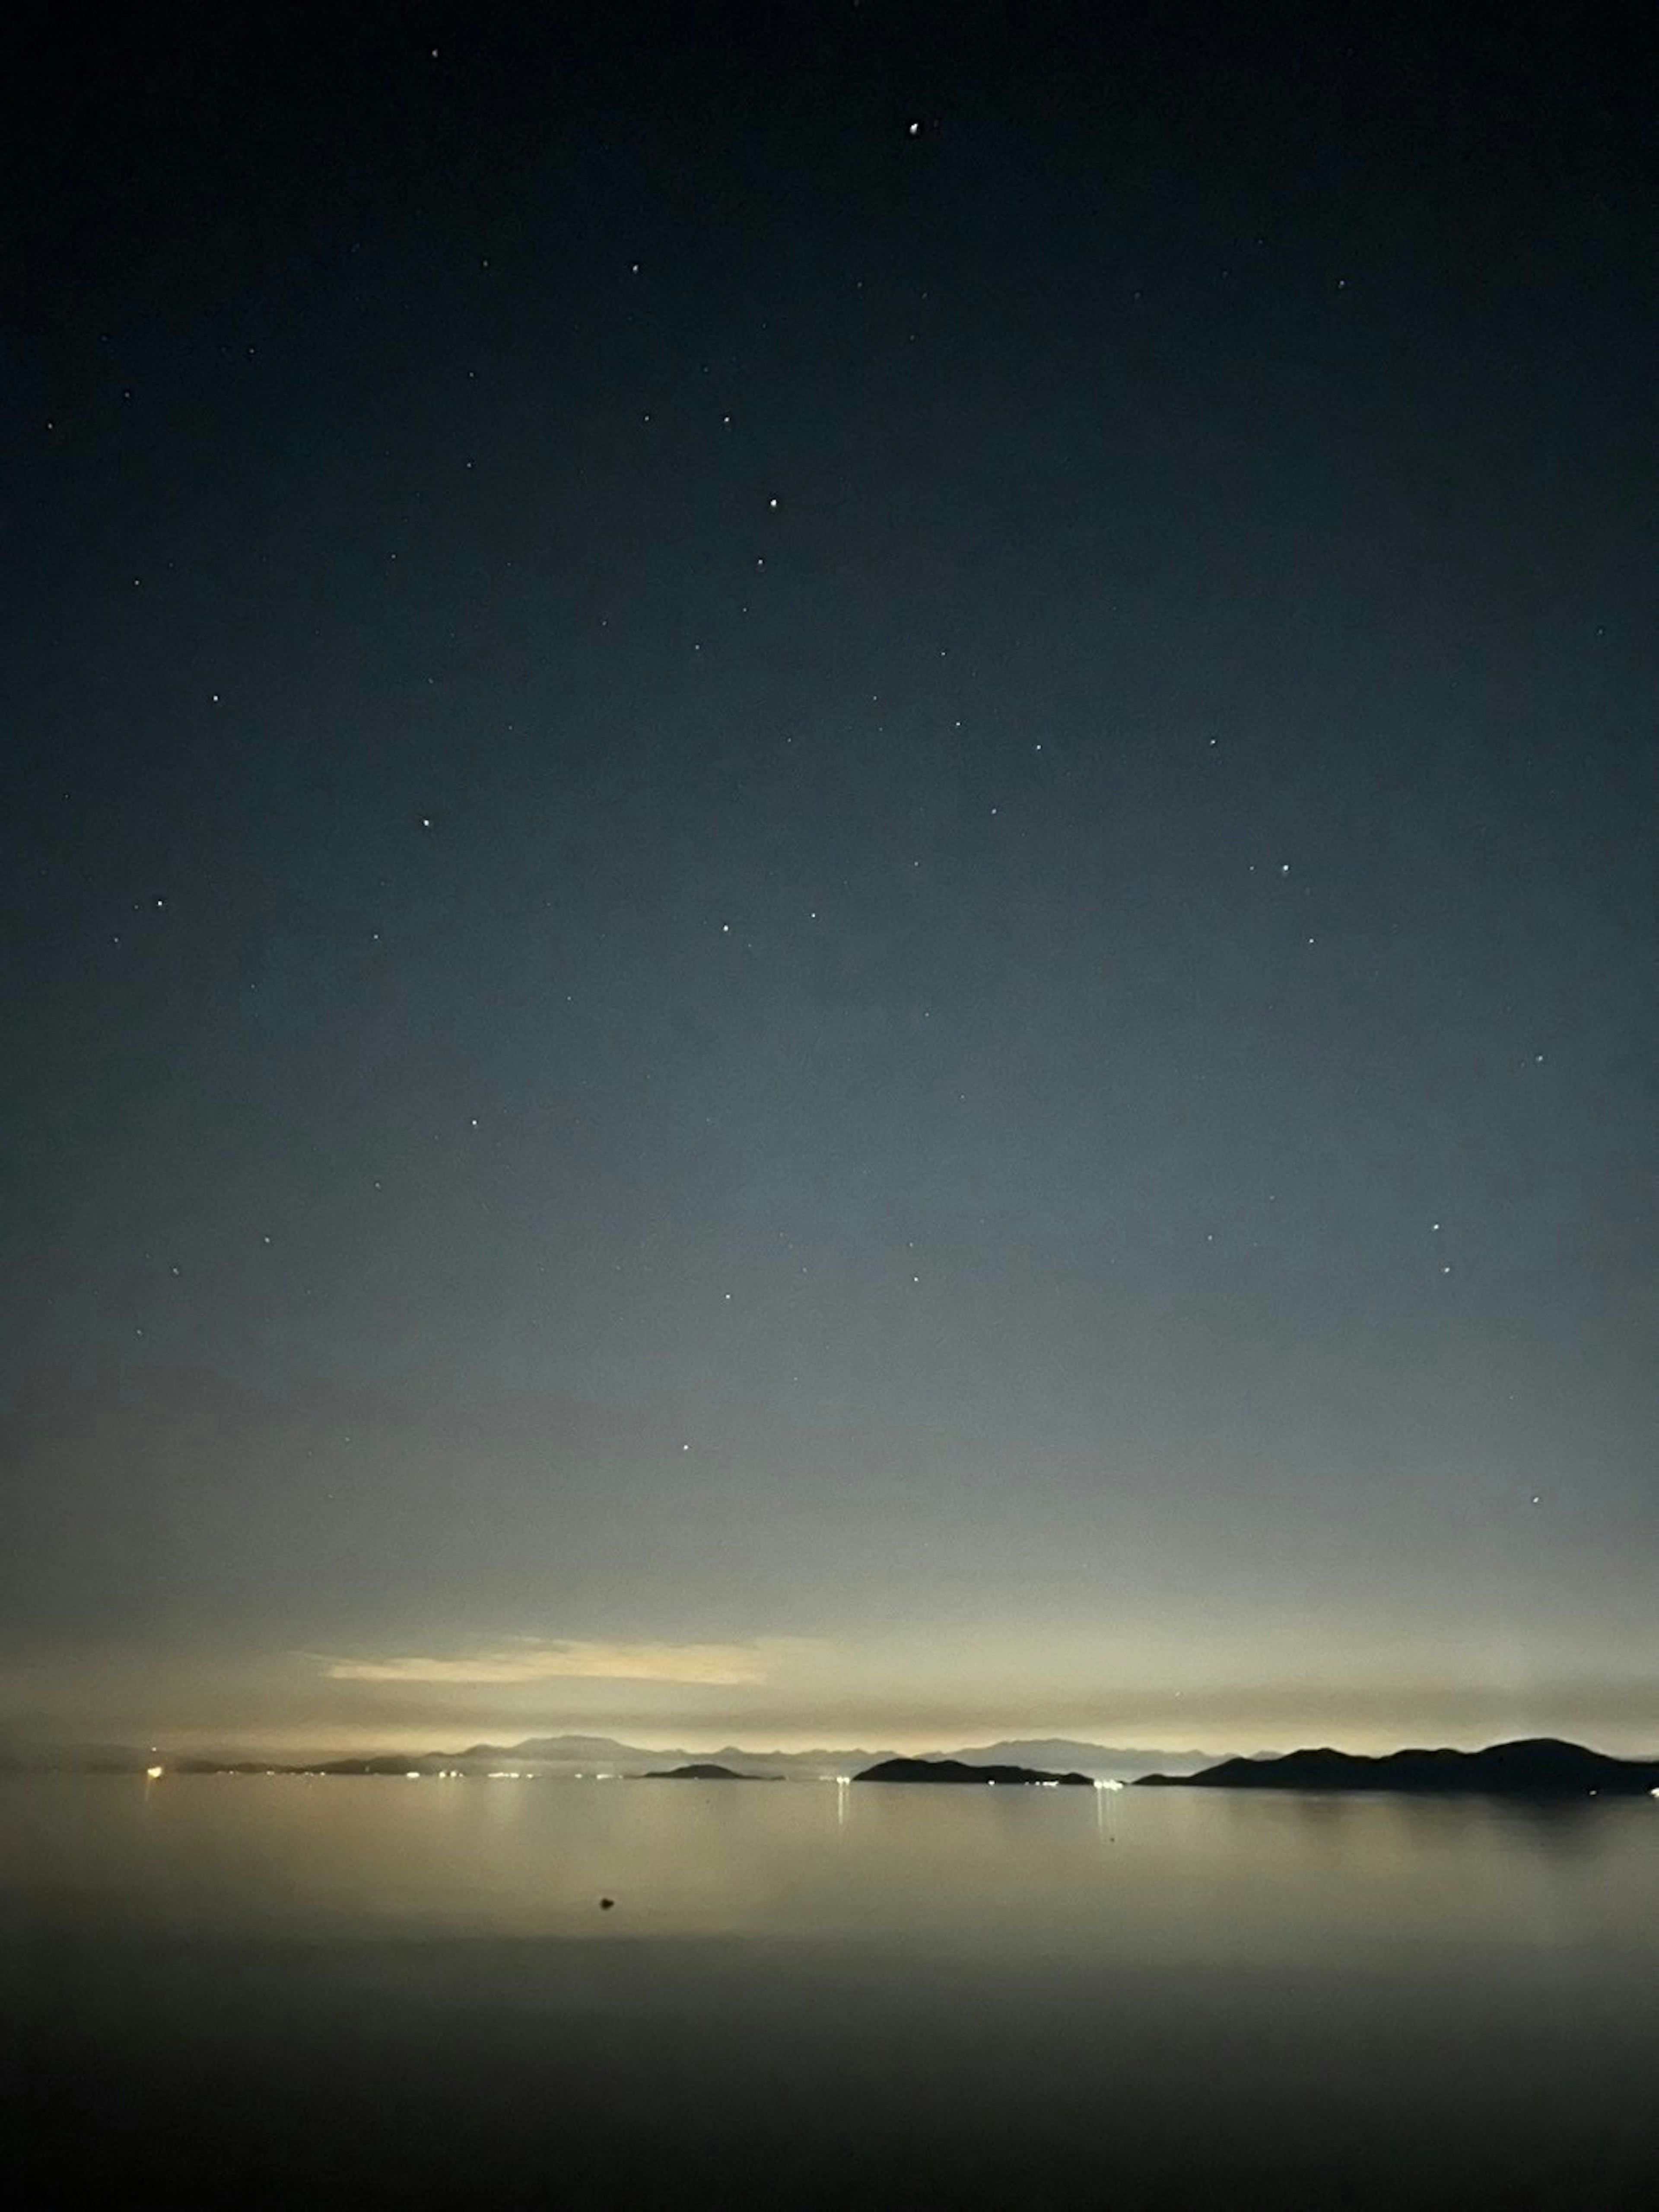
{"points": [[1169, 1875], [873, 1987]]}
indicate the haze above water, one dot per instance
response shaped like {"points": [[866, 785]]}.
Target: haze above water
{"points": [[271, 1991]]}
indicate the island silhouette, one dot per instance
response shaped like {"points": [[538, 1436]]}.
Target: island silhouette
{"points": [[1534, 1767], [954, 1770], [701, 1769]]}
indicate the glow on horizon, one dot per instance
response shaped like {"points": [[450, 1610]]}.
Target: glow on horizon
{"points": [[302, 1744]]}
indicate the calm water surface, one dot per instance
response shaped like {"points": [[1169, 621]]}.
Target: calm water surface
{"points": [[239, 1991]]}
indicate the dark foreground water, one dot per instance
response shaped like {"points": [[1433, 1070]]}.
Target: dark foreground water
{"points": [[249, 1992]]}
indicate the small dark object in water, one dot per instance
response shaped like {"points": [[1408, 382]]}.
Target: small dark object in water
{"points": [[605, 1904]]}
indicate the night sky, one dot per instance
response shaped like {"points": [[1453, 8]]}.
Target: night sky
{"points": [[828, 890]]}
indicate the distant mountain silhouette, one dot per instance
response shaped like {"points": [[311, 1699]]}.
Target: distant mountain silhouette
{"points": [[586, 1752], [1049, 1753], [701, 1769], [579, 1750], [954, 1770], [1537, 1766], [1059, 1751], [589, 1754]]}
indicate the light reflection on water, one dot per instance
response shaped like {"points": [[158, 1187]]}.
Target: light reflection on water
{"points": [[1465, 1986], [1157, 1868]]}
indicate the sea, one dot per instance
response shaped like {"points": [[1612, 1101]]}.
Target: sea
{"points": [[240, 1991]]}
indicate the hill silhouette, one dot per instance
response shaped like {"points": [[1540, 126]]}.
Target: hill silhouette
{"points": [[1535, 1767]]}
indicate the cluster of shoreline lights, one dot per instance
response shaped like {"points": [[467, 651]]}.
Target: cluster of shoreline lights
{"points": [[493, 1774], [527, 1774], [522, 1774]]}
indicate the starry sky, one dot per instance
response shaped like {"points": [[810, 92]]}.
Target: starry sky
{"points": [[828, 877]]}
